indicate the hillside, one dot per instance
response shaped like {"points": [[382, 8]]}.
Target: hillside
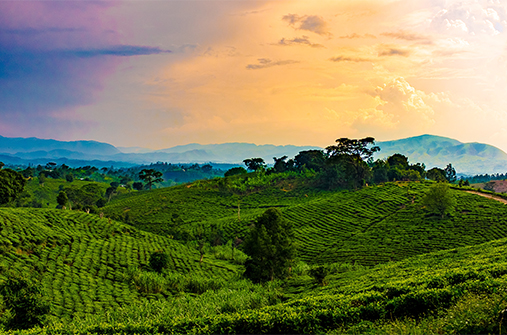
{"points": [[369, 226], [373, 258], [84, 262], [438, 151], [89, 265]]}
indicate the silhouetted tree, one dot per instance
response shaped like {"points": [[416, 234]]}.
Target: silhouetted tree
{"points": [[254, 164], [352, 153], [150, 176], [310, 159]]}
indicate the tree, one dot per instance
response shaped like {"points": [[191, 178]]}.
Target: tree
{"points": [[310, 159], [235, 171], [42, 179], [353, 153], [398, 160], [207, 168], [254, 164], [362, 148], [138, 186], [450, 173], [269, 247], [24, 302], [380, 169], [150, 176], [439, 200], [1, 165], [11, 185], [280, 164], [62, 199], [436, 174], [158, 261]]}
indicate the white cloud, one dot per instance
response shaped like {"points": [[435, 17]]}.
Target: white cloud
{"points": [[400, 107], [471, 18]]}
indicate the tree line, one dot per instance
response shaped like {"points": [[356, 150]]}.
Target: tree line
{"points": [[349, 164]]}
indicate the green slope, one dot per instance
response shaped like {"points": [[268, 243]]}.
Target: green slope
{"points": [[369, 226], [85, 263], [94, 269], [455, 291]]}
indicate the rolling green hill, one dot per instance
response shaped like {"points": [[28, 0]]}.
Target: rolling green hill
{"points": [[392, 266], [88, 264], [369, 226]]}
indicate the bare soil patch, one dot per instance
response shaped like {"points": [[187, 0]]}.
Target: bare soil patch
{"points": [[497, 198]]}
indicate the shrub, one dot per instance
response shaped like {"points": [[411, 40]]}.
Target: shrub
{"points": [[158, 261], [24, 304]]}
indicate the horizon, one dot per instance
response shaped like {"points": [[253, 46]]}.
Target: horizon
{"points": [[157, 74], [250, 143]]}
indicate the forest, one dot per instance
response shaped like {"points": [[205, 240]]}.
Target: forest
{"points": [[329, 241]]}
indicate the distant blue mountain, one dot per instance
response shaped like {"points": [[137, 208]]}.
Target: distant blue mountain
{"points": [[433, 151], [13, 145], [438, 151]]}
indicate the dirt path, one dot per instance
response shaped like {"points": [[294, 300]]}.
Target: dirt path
{"points": [[502, 200]]}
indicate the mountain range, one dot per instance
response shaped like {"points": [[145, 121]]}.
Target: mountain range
{"points": [[433, 151]]}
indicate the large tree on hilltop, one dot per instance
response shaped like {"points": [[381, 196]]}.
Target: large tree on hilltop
{"points": [[254, 164], [351, 155]]}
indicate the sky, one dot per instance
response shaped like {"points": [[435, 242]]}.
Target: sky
{"points": [[157, 74]]}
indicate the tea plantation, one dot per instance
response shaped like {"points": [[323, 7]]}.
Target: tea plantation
{"points": [[390, 266]]}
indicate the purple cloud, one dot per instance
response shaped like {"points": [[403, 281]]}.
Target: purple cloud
{"points": [[54, 57]]}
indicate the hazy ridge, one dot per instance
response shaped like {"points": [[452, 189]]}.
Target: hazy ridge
{"points": [[433, 151]]}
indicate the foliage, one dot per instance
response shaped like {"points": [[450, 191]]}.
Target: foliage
{"points": [[150, 176], [350, 155], [398, 160], [254, 164], [450, 173], [235, 171], [11, 185], [439, 200], [319, 273], [359, 148], [269, 246], [436, 174], [310, 159], [23, 302], [138, 186], [62, 199], [158, 261]]}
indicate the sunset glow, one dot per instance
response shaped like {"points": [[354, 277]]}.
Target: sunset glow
{"points": [[163, 73]]}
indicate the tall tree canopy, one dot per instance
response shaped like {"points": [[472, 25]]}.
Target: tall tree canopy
{"points": [[360, 148], [11, 185], [150, 176], [269, 247], [254, 164], [347, 160]]}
